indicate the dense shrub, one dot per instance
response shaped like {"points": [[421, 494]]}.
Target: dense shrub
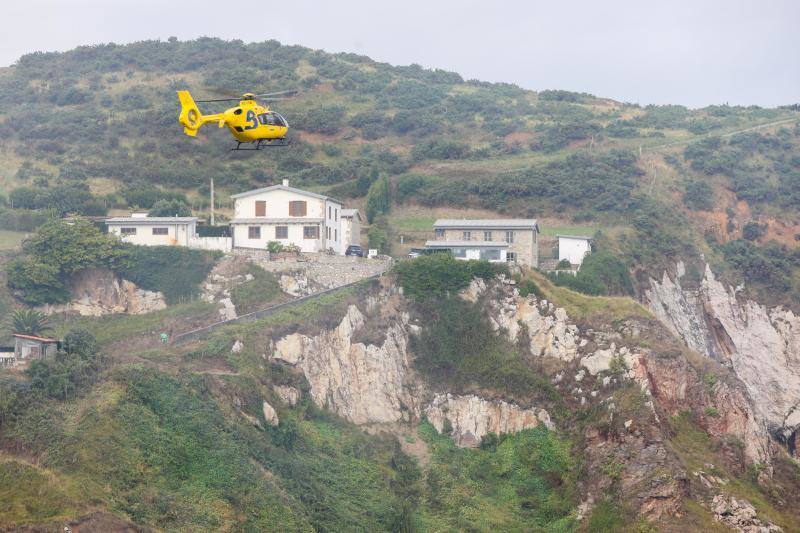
{"points": [[73, 368], [378, 199], [699, 196], [173, 270], [170, 208], [57, 250], [753, 231], [601, 273], [459, 347], [435, 275]]}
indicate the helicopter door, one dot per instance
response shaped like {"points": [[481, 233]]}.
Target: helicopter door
{"points": [[267, 120]]}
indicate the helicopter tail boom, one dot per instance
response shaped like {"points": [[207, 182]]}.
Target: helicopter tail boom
{"points": [[191, 118]]}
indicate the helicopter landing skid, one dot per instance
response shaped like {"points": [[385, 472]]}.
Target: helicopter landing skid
{"points": [[263, 143]]}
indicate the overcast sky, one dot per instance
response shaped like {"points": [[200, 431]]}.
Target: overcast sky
{"points": [[691, 52]]}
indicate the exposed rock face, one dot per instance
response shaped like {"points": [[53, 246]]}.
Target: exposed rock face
{"points": [[98, 291], [270, 415], [761, 345], [548, 327], [363, 383], [472, 417], [289, 395], [740, 515], [295, 284]]}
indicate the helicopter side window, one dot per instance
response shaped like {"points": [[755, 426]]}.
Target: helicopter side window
{"points": [[271, 119]]}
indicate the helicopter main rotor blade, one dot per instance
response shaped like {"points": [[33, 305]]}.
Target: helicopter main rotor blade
{"points": [[219, 100], [288, 93]]}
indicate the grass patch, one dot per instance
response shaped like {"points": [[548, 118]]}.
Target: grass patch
{"points": [[10, 240], [111, 328], [518, 482], [32, 495], [583, 307]]}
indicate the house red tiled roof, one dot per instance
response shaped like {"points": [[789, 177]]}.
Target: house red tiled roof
{"points": [[45, 340]]}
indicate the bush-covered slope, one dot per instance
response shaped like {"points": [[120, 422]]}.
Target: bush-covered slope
{"points": [[95, 129]]}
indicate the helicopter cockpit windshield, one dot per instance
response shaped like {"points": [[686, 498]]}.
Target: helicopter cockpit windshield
{"points": [[272, 119]]}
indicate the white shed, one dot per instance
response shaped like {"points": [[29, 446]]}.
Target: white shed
{"points": [[573, 248]]}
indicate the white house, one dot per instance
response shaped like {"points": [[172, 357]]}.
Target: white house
{"points": [[494, 252], [573, 248], [313, 222], [351, 226], [154, 231]]}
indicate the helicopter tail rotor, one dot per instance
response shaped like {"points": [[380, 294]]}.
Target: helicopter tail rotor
{"points": [[190, 116]]}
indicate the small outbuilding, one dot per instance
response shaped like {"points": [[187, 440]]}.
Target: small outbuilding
{"points": [[574, 248], [33, 347]]}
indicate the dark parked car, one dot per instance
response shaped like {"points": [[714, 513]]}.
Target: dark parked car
{"points": [[354, 249]]}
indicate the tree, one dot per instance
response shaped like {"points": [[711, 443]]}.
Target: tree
{"points": [[378, 199], [699, 196], [365, 179], [29, 322], [752, 231], [170, 208]]}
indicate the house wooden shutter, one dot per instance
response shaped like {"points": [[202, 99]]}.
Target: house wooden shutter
{"points": [[297, 208], [261, 208]]}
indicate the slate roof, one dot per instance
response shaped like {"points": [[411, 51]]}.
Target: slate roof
{"points": [[488, 223]]}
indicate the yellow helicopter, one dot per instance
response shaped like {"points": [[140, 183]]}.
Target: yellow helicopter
{"points": [[249, 122]]}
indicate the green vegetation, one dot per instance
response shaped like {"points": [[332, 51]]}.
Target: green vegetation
{"points": [[458, 348], [59, 249], [169, 208], [257, 293], [29, 322], [10, 240], [56, 251], [435, 275], [378, 199], [72, 369], [173, 270], [601, 273], [516, 482]]}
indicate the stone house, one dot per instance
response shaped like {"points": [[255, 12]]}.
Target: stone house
{"points": [[514, 240], [312, 222]]}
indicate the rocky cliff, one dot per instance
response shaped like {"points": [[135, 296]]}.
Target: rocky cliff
{"points": [[98, 291], [761, 345]]}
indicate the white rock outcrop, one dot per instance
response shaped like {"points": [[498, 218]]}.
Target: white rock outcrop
{"points": [[270, 415], [761, 345], [363, 383], [98, 291], [549, 329], [288, 395], [472, 417]]}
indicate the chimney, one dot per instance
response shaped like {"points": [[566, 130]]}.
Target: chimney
{"points": [[285, 183]]}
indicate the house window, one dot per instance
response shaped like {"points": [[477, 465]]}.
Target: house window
{"points": [[509, 237], [487, 235], [127, 231], [490, 255], [297, 208], [327, 232], [254, 232], [459, 252], [336, 214], [261, 208], [330, 212], [160, 231], [281, 232], [310, 232], [466, 235], [439, 233], [336, 235], [511, 257]]}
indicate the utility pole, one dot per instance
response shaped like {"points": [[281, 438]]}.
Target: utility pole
{"points": [[212, 201]]}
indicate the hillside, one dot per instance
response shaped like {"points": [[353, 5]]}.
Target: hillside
{"points": [[320, 418], [105, 116]]}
